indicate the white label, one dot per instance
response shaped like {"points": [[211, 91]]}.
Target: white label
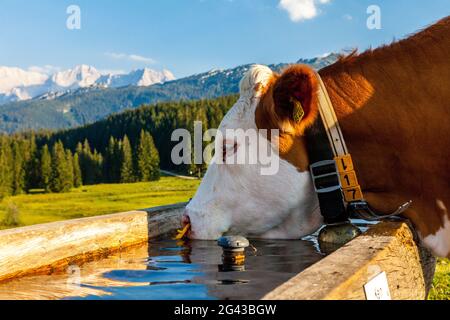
{"points": [[378, 288]]}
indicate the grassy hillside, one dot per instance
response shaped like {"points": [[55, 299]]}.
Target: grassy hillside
{"points": [[441, 283], [98, 200]]}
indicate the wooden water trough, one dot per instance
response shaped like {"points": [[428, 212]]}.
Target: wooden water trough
{"points": [[389, 247]]}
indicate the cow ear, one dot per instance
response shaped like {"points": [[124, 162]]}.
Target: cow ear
{"points": [[295, 98]]}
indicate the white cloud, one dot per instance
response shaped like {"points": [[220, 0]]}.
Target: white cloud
{"points": [[138, 58], [347, 17], [300, 10], [130, 57]]}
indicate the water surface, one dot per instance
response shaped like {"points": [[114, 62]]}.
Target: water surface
{"points": [[167, 270], [190, 270]]}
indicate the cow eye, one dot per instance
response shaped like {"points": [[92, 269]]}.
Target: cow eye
{"points": [[229, 149]]}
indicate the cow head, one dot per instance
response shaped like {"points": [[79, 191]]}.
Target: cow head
{"points": [[238, 198]]}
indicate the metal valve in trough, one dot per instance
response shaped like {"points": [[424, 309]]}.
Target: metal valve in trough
{"points": [[332, 237], [233, 257]]}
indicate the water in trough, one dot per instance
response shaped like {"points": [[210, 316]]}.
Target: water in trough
{"points": [[165, 270], [171, 270]]}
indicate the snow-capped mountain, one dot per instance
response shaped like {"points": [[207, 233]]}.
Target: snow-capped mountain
{"points": [[71, 107], [79, 77], [322, 61], [13, 79], [140, 78], [18, 84]]}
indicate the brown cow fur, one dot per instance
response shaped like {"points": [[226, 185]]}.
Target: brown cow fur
{"points": [[393, 104]]}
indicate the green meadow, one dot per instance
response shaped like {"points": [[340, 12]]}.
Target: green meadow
{"points": [[96, 200], [102, 199], [441, 282]]}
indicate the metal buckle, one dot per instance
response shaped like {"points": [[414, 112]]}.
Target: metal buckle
{"points": [[328, 173], [363, 210]]}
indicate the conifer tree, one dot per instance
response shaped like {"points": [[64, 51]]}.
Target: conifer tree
{"points": [[46, 169], [69, 174], [143, 158], [97, 167], [60, 177], [87, 163], [86, 146], [112, 162], [6, 173], [77, 177], [148, 158], [155, 173], [117, 163], [82, 162], [79, 148], [108, 161], [32, 171], [126, 172], [18, 168]]}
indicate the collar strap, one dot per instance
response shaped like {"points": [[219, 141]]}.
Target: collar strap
{"points": [[330, 121], [335, 180], [332, 169]]}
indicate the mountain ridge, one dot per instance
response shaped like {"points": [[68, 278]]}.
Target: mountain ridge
{"points": [[87, 105], [19, 85]]}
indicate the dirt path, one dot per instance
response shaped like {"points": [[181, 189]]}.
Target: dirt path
{"points": [[177, 175]]}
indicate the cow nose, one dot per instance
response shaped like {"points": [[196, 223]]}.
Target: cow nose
{"points": [[185, 220]]}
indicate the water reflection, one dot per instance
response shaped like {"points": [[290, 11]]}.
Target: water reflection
{"points": [[189, 270], [172, 270]]}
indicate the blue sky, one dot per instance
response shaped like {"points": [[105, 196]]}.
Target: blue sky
{"points": [[192, 36]]}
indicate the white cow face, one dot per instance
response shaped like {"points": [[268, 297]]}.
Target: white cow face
{"points": [[238, 198]]}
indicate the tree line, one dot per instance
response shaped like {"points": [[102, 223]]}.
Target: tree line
{"points": [[160, 120], [125, 147], [54, 167]]}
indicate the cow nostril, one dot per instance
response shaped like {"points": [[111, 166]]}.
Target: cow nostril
{"points": [[185, 220], [229, 149]]}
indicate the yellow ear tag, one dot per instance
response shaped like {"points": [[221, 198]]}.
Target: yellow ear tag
{"points": [[182, 233], [298, 112]]}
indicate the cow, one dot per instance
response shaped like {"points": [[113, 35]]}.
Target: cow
{"points": [[393, 106]]}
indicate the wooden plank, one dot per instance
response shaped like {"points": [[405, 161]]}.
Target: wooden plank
{"points": [[43, 249], [391, 247]]}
